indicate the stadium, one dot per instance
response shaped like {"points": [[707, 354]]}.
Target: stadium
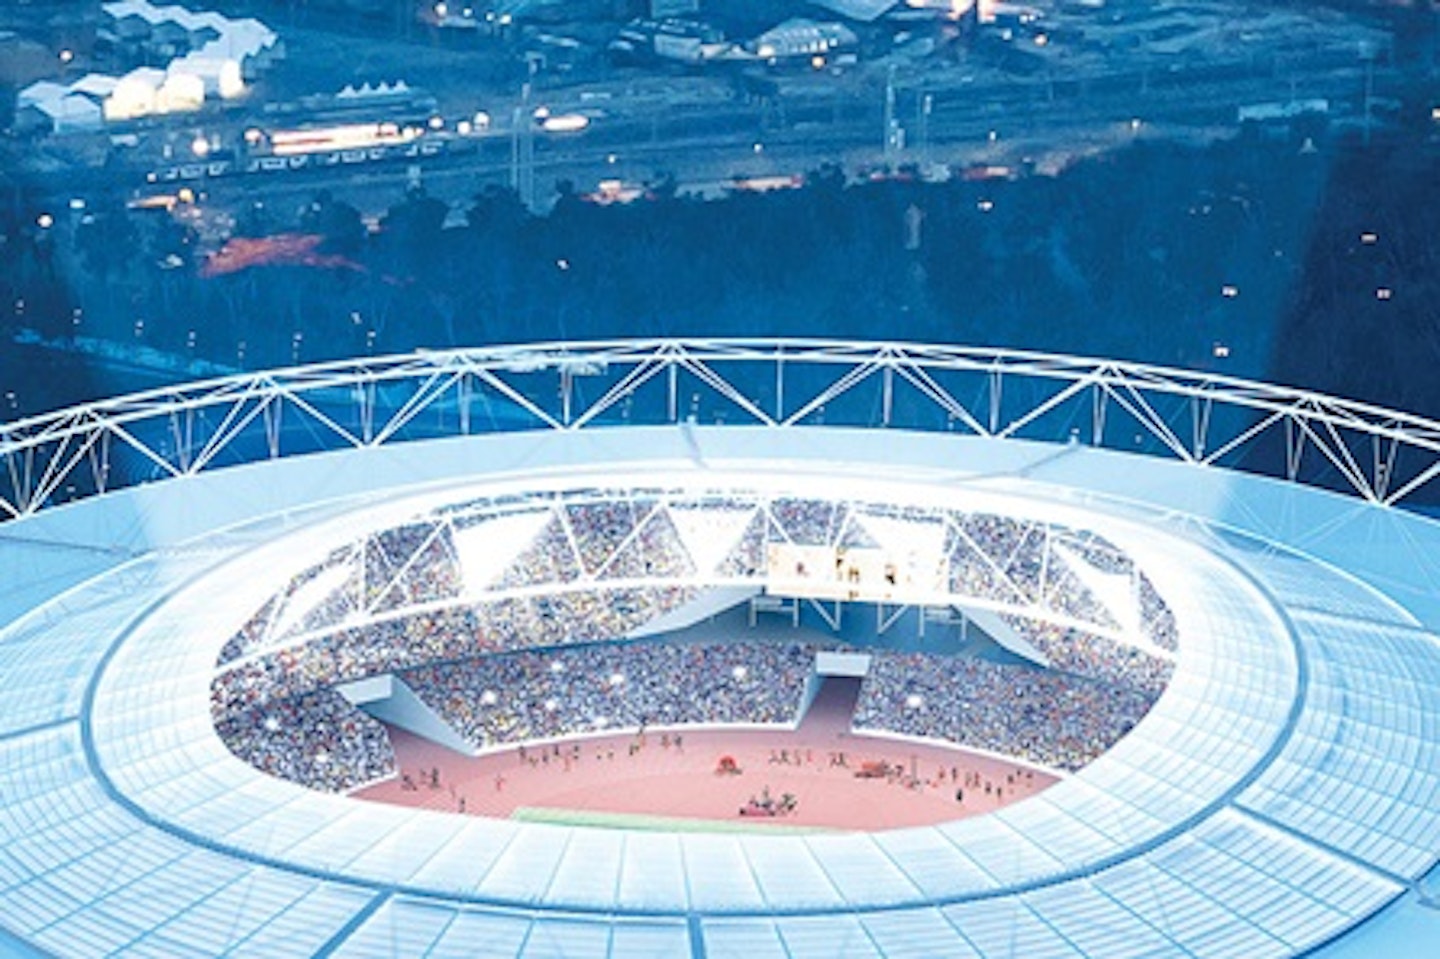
{"points": [[1175, 628]]}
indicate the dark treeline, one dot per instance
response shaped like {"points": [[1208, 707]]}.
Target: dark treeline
{"points": [[1309, 267]]}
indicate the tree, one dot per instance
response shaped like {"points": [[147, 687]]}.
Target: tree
{"points": [[496, 209], [254, 221], [411, 231], [336, 221], [105, 238]]}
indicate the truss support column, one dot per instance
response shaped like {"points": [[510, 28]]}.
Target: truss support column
{"points": [[887, 396], [462, 396], [365, 396], [566, 383], [1097, 416], [272, 428], [995, 387], [1294, 446], [779, 387], [674, 387]]}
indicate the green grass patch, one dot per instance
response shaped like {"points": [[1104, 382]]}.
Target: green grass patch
{"points": [[623, 820]]}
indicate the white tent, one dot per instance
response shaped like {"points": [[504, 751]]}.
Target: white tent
{"points": [[67, 112], [97, 85], [134, 94], [39, 93], [79, 112], [218, 75], [182, 91], [223, 53]]}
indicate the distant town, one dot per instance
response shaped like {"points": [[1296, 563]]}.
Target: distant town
{"points": [[210, 187], [160, 95]]}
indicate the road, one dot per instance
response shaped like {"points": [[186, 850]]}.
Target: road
{"points": [[633, 141], [698, 146]]}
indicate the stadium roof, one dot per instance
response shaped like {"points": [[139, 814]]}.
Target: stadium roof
{"points": [[1285, 788]]}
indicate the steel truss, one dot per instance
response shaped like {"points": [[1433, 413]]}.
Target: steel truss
{"points": [[1382, 456]]}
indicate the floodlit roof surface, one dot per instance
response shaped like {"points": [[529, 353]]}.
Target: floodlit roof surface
{"points": [[1283, 791]]}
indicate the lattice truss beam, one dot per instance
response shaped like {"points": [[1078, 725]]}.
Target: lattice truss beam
{"points": [[1382, 456]]}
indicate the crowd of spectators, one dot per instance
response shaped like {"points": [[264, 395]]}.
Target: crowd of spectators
{"points": [[317, 739], [1157, 619], [252, 634], [410, 565], [654, 549], [1064, 593], [522, 696], [809, 522], [973, 573], [1016, 561], [416, 564], [600, 526], [1094, 656], [549, 558], [338, 603], [497, 689], [260, 705], [1016, 547], [747, 558], [1055, 719], [457, 632], [989, 556], [1099, 553]]}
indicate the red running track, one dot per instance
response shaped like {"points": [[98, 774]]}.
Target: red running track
{"points": [[652, 775]]}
